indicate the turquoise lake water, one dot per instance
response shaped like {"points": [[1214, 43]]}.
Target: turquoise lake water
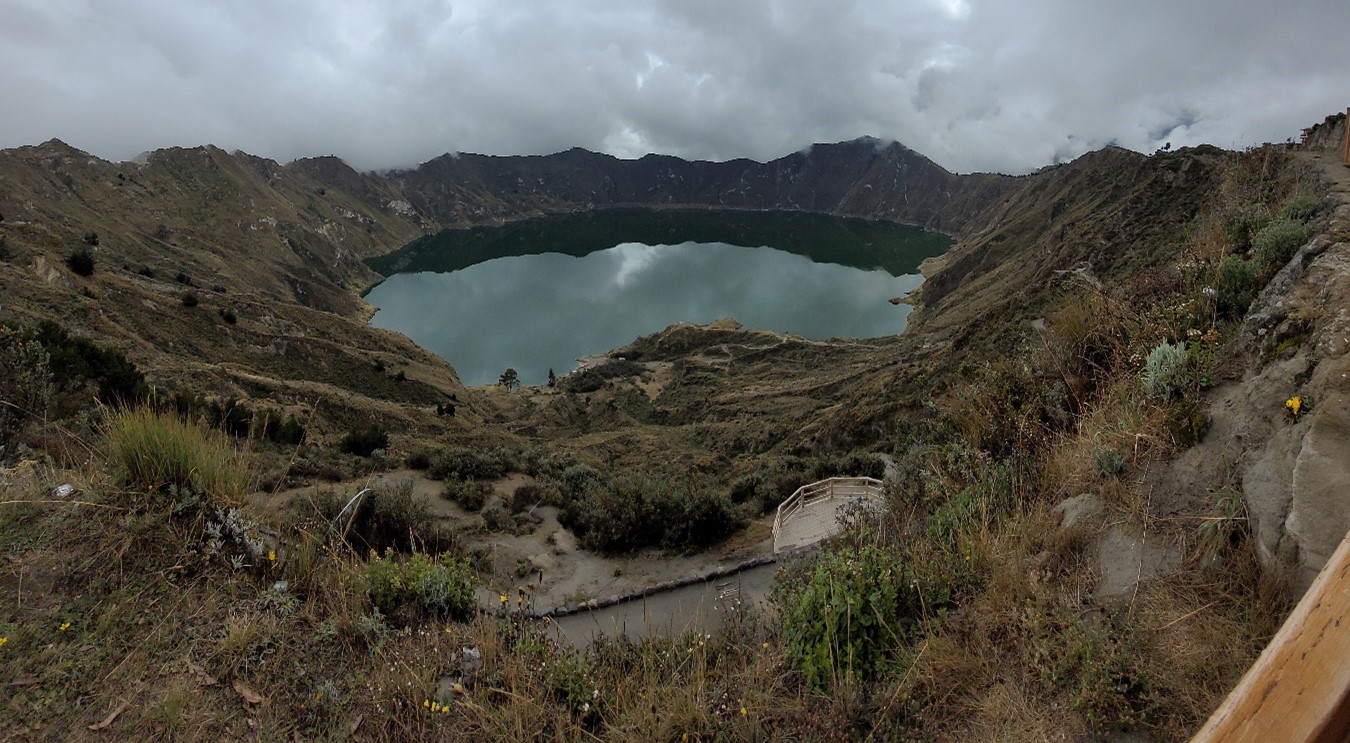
{"points": [[542, 294]]}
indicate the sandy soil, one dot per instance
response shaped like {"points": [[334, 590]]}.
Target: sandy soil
{"points": [[541, 567]]}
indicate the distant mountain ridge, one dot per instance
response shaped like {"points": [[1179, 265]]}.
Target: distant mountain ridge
{"points": [[860, 178], [199, 208]]}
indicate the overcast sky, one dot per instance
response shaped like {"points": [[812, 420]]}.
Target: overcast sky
{"points": [[975, 85]]}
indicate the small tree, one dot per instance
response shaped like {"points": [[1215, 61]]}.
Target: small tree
{"points": [[552, 378], [364, 441], [510, 380], [81, 262]]}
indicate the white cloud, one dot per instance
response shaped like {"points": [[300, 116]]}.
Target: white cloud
{"points": [[974, 85]]}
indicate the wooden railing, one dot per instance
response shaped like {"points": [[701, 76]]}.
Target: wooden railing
{"points": [[1299, 689], [824, 490]]}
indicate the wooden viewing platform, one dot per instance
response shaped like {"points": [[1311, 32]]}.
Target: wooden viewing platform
{"points": [[812, 513], [1299, 689]]}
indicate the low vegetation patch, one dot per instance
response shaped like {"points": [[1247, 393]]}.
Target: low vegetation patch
{"points": [[421, 586], [365, 441], [161, 453], [81, 262], [630, 513]]}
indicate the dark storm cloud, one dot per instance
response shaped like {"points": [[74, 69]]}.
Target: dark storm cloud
{"points": [[973, 85]]}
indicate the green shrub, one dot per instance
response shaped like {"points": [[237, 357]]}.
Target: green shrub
{"points": [[419, 460], [76, 361], [1236, 286], [234, 418], [1099, 664], [579, 478], [290, 432], [1165, 370], [853, 464], [573, 684], [1108, 463], [972, 512], [25, 383], [228, 316], [1301, 207], [842, 619], [81, 262], [1277, 242], [593, 378], [156, 452], [467, 493], [387, 517], [773, 481], [189, 299], [423, 586], [496, 518], [631, 513], [364, 441], [1242, 222], [524, 497], [465, 463]]}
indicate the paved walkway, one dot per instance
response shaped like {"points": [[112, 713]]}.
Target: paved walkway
{"points": [[818, 521], [819, 510]]}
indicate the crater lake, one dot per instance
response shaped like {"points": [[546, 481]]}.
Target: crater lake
{"points": [[543, 293]]}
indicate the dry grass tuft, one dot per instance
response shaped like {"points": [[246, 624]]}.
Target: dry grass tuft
{"points": [[156, 452]]}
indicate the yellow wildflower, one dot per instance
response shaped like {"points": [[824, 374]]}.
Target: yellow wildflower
{"points": [[65, 626], [503, 598], [1294, 405], [766, 646], [744, 711], [3, 640], [271, 555], [426, 702]]}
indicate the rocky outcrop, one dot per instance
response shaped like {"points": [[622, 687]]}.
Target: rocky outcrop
{"points": [[1294, 470], [1328, 136]]}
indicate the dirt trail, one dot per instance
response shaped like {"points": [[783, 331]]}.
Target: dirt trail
{"points": [[516, 562]]}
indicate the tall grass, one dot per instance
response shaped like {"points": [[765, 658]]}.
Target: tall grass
{"points": [[158, 452]]}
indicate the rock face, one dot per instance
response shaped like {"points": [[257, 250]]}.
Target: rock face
{"points": [[1294, 472], [1076, 511], [1125, 560]]}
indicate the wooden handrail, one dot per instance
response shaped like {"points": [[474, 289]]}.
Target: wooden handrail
{"points": [[821, 490], [1298, 688]]}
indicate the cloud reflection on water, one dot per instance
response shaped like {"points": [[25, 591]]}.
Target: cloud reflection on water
{"points": [[537, 312]]}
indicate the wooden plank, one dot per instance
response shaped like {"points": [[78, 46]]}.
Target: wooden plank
{"points": [[1297, 689]]}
